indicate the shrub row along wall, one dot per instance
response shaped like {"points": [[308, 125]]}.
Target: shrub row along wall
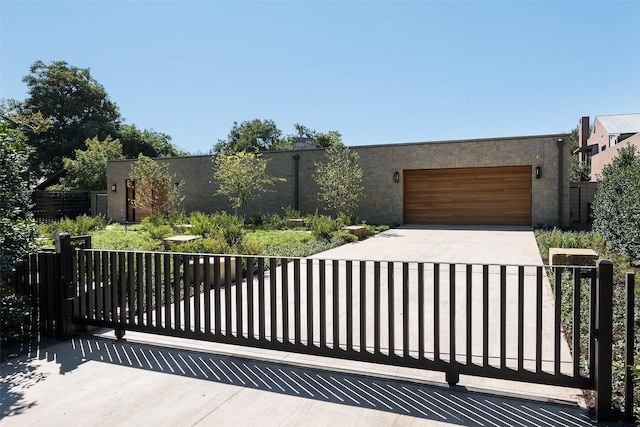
{"points": [[383, 197]]}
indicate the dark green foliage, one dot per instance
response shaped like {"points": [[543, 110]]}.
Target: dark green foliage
{"points": [[14, 316], [275, 222], [251, 136], [78, 106], [148, 142], [88, 171], [66, 106], [17, 227], [617, 203]]}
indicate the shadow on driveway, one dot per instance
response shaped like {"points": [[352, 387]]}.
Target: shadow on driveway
{"points": [[455, 406]]}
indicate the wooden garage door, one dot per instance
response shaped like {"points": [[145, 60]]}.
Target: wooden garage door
{"points": [[475, 196]]}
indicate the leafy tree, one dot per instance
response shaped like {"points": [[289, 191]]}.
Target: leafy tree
{"points": [[253, 135], [340, 180], [75, 104], [241, 176], [617, 203], [148, 142], [577, 171], [88, 170], [155, 189], [319, 139], [17, 227]]}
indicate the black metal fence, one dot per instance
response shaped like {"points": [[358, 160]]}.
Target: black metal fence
{"points": [[497, 321]]}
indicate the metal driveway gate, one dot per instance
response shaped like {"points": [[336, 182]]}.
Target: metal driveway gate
{"points": [[497, 321]]}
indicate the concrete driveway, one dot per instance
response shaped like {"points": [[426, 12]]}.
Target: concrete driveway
{"points": [[450, 244], [154, 380]]}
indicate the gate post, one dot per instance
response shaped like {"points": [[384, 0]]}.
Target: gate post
{"points": [[64, 286], [604, 302]]}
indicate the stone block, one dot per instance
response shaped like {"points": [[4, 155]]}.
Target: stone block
{"points": [[357, 230], [295, 222], [572, 256], [177, 240], [211, 268]]}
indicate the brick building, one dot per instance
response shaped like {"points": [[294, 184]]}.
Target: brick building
{"points": [[517, 180], [602, 142]]}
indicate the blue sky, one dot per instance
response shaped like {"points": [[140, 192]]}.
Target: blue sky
{"points": [[378, 72]]}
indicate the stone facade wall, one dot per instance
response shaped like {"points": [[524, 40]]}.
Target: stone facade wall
{"points": [[383, 198]]}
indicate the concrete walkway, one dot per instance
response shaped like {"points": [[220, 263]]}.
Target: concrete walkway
{"points": [[153, 380]]}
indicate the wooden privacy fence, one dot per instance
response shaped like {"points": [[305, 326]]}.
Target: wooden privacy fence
{"points": [[54, 205], [497, 321]]}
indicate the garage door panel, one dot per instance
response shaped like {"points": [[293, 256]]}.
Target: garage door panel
{"points": [[497, 195]]}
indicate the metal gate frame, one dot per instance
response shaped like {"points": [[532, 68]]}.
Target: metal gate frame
{"points": [[120, 290]]}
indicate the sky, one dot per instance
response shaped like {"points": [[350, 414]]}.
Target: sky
{"points": [[378, 72]]}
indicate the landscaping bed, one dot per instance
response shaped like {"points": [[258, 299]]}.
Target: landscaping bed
{"points": [[622, 264]]}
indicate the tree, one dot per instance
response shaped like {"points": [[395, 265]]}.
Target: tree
{"points": [[254, 135], [241, 176], [578, 171], [319, 139], [155, 188], [76, 105], [340, 180], [616, 206], [148, 142], [88, 170], [18, 230]]}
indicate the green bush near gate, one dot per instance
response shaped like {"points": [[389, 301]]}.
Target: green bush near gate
{"points": [[616, 207], [14, 312], [622, 264]]}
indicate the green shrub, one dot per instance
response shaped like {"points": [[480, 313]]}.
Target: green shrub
{"points": [[177, 218], [556, 238], [203, 246], [160, 232], [82, 225], [258, 219], [251, 247], [322, 226], [616, 207], [155, 220], [232, 228], [203, 225], [274, 222], [290, 213], [14, 315], [343, 236]]}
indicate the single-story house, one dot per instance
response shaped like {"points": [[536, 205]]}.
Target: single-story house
{"points": [[505, 181]]}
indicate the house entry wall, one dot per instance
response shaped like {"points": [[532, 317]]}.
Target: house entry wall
{"points": [[469, 196]]}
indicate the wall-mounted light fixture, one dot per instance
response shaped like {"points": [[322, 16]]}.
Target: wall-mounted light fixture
{"points": [[176, 185], [114, 187], [396, 177], [538, 172]]}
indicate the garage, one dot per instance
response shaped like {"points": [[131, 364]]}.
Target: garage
{"points": [[468, 196]]}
